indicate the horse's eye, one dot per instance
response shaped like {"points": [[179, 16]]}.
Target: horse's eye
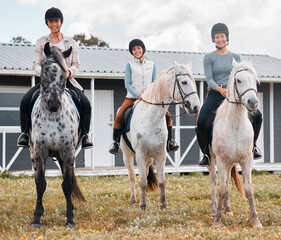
{"points": [[238, 80], [184, 82]]}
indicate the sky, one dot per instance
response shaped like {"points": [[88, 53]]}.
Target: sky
{"points": [[170, 25]]}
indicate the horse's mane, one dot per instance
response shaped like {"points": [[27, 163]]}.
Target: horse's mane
{"points": [[156, 85], [222, 110]]}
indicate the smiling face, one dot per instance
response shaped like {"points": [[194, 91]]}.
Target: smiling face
{"points": [[54, 25], [137, 51], [220, 40]]}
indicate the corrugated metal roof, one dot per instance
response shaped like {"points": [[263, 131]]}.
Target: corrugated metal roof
{"points": [[111, 62]]}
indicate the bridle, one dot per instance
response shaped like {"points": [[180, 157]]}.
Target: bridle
{"points": [[235, 90], [182, 93]]}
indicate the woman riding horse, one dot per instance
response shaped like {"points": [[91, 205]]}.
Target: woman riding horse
{"points": [[54, 21], [217, 67], [138, 74]]}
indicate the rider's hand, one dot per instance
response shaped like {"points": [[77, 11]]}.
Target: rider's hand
{"points": [[139, 97], [67, 74], [221, 90]]}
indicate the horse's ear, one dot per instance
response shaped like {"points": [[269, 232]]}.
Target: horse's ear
{"points": [[176, 66], [189, 65], [234, 63], [250, 61], [67, 52], [47, 49]]}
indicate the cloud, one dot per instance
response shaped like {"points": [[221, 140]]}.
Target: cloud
{"points": [[182, 25]]}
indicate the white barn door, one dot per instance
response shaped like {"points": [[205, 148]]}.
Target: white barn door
{"points": [[103, 129]]}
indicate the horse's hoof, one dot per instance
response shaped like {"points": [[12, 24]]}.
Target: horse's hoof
{"points": [[133, 201], [36, 225], [257, 225], [217, 224], [229, 213], [213, 213], [143, 207], [70, 224], [163, 206]]}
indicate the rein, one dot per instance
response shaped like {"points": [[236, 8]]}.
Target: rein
{"points": [[182, 93], [235, 89]]}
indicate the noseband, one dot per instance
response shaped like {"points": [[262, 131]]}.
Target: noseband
{"points": [[235, 89], [182, 93]]}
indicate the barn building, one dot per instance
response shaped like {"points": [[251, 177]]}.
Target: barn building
{"points": [[102, 77]]}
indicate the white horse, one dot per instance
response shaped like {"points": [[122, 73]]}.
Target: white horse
{"points": [[233, 138], [148, 131]]}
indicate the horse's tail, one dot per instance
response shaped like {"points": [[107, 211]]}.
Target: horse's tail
{"points": [[152, 182], [237, 181], [76, 190]]}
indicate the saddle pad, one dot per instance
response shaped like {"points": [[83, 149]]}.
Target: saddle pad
{"points": [[126, 118]]}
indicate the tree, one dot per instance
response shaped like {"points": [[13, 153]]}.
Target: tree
{"points": [[92, 41], [20, 39]]}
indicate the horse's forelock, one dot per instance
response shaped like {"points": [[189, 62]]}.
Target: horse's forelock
{"points": [[58, 57]]}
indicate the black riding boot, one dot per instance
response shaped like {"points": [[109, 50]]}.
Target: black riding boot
{"points": [[256, 151], [114, 148], [203, 144], [172, 146], [85, 124], [24, 124]]}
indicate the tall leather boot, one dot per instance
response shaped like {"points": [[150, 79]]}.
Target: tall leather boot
{"points": [[256, 151], [203, 144], [85, 124], [172, 146], [23, 139], [114, 148]]}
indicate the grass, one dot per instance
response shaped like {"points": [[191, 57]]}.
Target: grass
{"points": [[107, 213]]}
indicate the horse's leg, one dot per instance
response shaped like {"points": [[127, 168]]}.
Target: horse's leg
{"points": [[246, 172], [160, 165], [142, 178], [222, 171], [129, 163], [67, 187], [227, 207], [213, 179], [39, 167]]}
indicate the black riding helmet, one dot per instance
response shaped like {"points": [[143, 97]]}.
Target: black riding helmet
{"points": [[136, 42], [53, 13], [220, 28]]}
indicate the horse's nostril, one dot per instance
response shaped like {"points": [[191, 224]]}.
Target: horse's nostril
{"points": [[195, 109]]}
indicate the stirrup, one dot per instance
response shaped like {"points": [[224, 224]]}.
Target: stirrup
{"points": [[87, 142], [114, 148], [257, 153], [172, 146], [205, 161], [23, 140]]}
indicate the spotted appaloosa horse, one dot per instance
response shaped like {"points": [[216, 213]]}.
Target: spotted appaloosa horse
{"points": [[54, 131]]}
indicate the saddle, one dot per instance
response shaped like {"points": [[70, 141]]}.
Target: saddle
{"points": [[125, 125]]}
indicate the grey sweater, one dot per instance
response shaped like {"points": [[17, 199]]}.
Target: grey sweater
{"points": [[218, 67]]}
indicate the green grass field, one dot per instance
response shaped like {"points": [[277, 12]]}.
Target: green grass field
{"points": [[107, 213]]}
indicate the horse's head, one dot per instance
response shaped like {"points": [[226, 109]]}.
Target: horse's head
{"points": [[184, 88], [52, 79], [242, 86]]}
